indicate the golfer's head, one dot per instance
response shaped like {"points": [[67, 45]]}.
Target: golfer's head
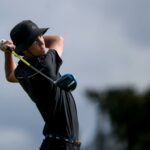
{"points": [[24, 34]]}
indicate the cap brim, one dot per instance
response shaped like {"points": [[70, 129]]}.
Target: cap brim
{"points": [[43, 30]]}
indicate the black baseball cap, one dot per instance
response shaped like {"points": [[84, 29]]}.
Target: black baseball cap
{"points": [[24, 34]]}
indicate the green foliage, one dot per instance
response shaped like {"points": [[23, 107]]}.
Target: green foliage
{"points": [[129, 111]]}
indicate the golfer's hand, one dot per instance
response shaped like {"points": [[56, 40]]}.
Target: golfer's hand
{"points": [[6, 45]]}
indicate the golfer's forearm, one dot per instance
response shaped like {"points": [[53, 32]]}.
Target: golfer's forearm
{"points": [[50, 39], [9, 67]]}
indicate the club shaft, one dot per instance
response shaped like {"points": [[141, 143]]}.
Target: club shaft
{"points": [[32, 67]]}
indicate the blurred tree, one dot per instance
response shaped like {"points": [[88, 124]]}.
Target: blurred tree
{"points": [[129, 113]]}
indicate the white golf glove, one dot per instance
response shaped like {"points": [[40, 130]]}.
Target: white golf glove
{"points": [[2, 44], [6, 45]]}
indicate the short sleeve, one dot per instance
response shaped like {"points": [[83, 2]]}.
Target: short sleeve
{"points": [[52, 62]]}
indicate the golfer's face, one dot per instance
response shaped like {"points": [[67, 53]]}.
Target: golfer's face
{"points": [[38, 47]]}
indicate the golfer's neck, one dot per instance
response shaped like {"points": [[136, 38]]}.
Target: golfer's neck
{"points": [[27, 54]]}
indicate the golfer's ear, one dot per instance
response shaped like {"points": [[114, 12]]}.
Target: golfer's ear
{"points": [[55, 42]]}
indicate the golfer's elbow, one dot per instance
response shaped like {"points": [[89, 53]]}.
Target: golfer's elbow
{"points": [[59, 44], [60, 41], [11, 78]]}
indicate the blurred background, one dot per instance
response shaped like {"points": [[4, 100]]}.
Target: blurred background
{"points": [[107, 49]]}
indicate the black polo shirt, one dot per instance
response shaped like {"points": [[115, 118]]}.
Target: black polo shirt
{"points": [[56, 106]]}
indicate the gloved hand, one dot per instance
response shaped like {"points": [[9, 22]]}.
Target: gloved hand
{"points": [[6, 45], [2, 44]]}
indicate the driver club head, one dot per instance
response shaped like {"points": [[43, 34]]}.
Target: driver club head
{"points": [[67, 82]]}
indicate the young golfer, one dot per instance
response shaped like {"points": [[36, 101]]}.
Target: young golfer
{"points": [[56, 105]]}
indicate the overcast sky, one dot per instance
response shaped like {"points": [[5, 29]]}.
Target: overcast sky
{"points": [[106, 44]]}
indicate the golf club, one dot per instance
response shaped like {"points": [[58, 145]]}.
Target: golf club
{"points": [[66, 82]]}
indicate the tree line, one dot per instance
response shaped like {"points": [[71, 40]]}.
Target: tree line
{"points": [[129, 112]]}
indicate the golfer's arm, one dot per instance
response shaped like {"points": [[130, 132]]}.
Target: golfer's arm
{"points": [[54, 42], [10, 67]]}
